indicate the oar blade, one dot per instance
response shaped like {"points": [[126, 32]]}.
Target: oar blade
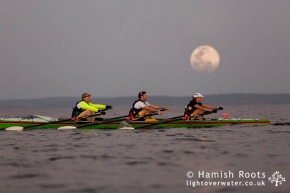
{"points": [[127, 128], [66, 127], [14, 128]]}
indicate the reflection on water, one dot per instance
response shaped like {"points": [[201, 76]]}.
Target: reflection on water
{"points": [[144, 160]]}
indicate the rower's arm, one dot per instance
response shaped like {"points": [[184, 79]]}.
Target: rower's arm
{"points": [[210, 107], [91, 106], [99, 106], [203, 107], [151, 108], [159, 107]]}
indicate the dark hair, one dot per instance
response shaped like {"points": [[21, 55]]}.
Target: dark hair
{"points": [[141, 94], [194, 99]]}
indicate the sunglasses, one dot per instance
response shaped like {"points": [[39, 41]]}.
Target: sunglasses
{"points": [[87, 96]]}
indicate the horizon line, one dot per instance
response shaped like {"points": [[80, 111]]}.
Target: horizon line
{"points": [[150, 96]]}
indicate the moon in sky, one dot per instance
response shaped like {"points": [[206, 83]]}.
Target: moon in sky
{"points": [[205, 58]]}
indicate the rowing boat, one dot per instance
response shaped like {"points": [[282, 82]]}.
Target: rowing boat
{"points": [[41, 122]]}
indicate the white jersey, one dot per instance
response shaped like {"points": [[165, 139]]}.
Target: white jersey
{"points": [[141, 104]]}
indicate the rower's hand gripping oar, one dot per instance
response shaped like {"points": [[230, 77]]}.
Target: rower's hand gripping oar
{"points": [[213, 111], [18, 128]]}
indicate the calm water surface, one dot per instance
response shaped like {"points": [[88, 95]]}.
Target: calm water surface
{"points": [[146, 160]]}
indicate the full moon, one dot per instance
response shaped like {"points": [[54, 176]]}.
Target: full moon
{"points": [[205, 58]]}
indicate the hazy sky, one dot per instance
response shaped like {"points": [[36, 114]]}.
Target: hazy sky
{"points": [[121, 47]]}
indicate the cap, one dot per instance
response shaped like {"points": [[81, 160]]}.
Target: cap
{"points": [[85, 95], [197, 95], [141, 93]]}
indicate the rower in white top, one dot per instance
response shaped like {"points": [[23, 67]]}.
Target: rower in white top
{"points": [[141, 108]]}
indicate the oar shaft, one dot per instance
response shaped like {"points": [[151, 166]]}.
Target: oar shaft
{"points": [[109, 121], [115, 119], [207, 113], [54, 122], [162, 122]]}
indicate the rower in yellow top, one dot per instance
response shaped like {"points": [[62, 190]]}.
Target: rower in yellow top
{"points": [[141, 107], [85, 108], [196, 108]]}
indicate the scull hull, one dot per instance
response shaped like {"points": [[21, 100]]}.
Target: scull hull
{"points": [[137, 124]]}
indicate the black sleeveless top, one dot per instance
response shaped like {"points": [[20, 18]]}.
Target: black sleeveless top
{"points": [[190, 107], [76, 111], [133, 111]]}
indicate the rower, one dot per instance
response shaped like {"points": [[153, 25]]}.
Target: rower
{"points": [[85, 108], [141, 108], [196, 108]]}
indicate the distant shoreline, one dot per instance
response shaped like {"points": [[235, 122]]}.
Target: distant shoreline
{"points": [[218, 99]]}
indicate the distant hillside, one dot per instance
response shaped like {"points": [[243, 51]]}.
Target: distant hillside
{"points": [[222, 99]]}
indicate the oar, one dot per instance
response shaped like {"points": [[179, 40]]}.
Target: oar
{"points": [[210, 112], [19, 128], [171, 119], [114, 119], [161, 122], [286, 123]]}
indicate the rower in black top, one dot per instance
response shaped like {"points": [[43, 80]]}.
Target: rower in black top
{"points": [[196, 108]]}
